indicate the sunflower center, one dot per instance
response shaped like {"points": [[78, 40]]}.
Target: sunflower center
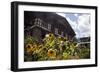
{"points": [[50, 35], [28, 46], [51, 52], [64, 39]]}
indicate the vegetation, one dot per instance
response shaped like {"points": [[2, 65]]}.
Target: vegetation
{"points": [[53, 48]]}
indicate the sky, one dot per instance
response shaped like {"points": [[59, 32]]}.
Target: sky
{"points": [[80, 22]]}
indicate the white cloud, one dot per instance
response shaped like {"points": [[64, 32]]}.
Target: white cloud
{"points": [[84, 25], [73, 23], [74, 26], [81, 25], [76, 15]]}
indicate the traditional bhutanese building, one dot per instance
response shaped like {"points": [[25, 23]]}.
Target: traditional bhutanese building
{"points": [[38, 24], [84, 42]]}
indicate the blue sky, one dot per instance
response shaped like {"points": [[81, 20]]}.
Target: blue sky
{"points": [[80, 22]]}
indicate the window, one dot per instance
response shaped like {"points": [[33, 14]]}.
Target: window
{"points": [[66, 35], [49, 27], [40, 22], [36, 21], [56, 30], [69, 37], [62, 34]]}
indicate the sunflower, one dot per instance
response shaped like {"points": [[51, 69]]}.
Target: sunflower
{"points": [[50, 35], [65, 39], [47, 35], [51, 53], [29, 48]]}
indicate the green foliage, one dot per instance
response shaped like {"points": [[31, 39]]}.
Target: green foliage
{"points": [[53, 48], [85, 53]]}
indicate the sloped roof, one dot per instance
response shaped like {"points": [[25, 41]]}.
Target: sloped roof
{"points": [[50, 17]]}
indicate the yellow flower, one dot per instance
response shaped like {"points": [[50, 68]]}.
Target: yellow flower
{"points": [[29, 48], [47, 35], [65, 39], [50, 35], [61, 42], [51, 53]]}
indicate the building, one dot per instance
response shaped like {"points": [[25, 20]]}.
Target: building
{"points": [[84, 42], [38, 24]]}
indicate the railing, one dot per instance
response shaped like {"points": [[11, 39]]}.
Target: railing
{"points": [[37, 22], [40, 23], [83, 43]]}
